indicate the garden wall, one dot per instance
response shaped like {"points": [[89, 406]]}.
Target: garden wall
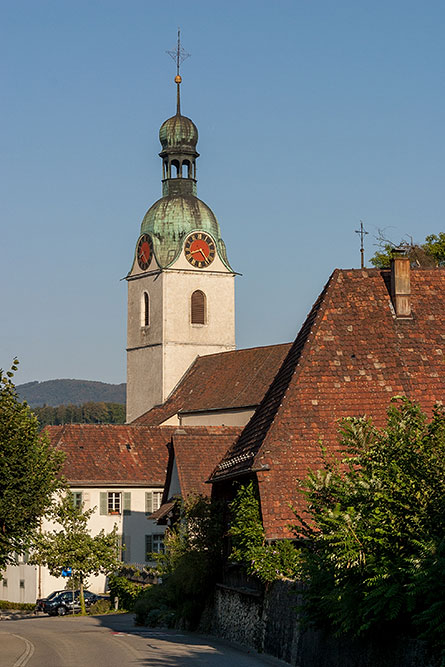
{"points": [[267, 622]]}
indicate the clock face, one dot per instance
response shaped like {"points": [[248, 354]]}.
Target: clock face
{"points": [[145, 251], [200, 249]]}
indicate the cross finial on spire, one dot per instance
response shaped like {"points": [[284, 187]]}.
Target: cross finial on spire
{"points": [[362, 231], [179, 55]]}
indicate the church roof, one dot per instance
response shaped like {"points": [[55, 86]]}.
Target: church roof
{"points": [[351, 356], [112, 454], [223, 381]]}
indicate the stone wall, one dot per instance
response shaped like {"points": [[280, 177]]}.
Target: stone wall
{"points": [[267, 621]]}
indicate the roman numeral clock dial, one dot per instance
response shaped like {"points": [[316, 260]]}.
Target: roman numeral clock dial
{"points": [[199, 250]]}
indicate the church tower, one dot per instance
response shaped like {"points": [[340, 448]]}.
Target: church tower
{"points": [[181, 293]]}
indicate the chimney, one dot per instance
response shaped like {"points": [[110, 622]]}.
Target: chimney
{"points": [[400, 283]]}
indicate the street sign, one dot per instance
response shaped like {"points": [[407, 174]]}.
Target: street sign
{"points": [[67, 572]]}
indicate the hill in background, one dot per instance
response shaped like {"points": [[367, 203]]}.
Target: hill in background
{"points": [[74, 392]]}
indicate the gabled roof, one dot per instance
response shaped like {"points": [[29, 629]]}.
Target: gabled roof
{"points": [[351, 357], [196, 451], [111, 454], [223, 381]]}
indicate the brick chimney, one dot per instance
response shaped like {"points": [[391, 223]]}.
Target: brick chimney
{"points": [[400, 283]]}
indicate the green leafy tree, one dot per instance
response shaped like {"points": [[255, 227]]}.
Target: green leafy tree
{"points": [[374, 557], [70, 544], [430, 253], [267, 561], [29, 470]]}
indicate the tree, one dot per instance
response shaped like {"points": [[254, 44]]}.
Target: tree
{"points": [[267, 561], [29, 469], [430, 253], [70, 544], [374, 557]]}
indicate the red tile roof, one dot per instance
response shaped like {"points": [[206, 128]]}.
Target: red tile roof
{"points": [[351, 356], [197, 450], [113, 454], [224, 381]]}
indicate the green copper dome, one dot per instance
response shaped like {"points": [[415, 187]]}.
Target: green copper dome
{"points": [[178, 132], [172, 218]]}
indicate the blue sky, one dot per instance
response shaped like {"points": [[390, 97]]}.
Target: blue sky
{"points": [[312, 116]]}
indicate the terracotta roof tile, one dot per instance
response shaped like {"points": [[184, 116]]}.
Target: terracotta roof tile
{"points": [[228, 380], [197, 450], [351, 356], [113, 454]]}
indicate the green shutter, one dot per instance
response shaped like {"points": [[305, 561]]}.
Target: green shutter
{"points": [[119, 547], [148, 502], [127, 503], [103, 502], [148, 546], [126, 549]]}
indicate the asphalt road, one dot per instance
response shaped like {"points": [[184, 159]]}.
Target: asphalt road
{"points": [[112, 641]]}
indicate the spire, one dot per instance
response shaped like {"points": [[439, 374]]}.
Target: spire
{"points": [[178, 55]]}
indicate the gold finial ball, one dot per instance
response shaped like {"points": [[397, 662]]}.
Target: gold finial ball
{"points": [[178, 79]]}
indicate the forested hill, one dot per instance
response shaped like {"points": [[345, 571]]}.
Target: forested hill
{"points": [[74, 392]]}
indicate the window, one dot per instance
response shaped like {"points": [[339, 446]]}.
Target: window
{"points": [[22, 583], [5, 583], [153, 501], [114, 502], [153, 544], [145, 310], [77, 499], [198, 307]]}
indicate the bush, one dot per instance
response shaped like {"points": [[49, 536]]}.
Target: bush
{"points": [[4, 604], [127, 591], [100, 607]]}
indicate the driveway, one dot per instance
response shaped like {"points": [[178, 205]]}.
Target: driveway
{"points": [[112, 641]]}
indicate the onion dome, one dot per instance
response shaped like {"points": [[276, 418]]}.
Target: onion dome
{"points": [[178, 132], [172, 218]]}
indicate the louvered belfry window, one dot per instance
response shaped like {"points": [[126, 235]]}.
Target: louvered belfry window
{"points": [[198, 307]]}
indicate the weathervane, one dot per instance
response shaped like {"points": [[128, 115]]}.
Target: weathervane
{"points": [[179, 55], [362, 231]]}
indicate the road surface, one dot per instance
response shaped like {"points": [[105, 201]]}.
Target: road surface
{"points": [[112, 641]]}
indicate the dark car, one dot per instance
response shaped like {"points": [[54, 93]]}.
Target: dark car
{"points": [[40, 601], [62, 602]]}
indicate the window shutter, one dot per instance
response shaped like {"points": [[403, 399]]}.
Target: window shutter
{"points": [[198, 307], [119, 547], [127, 551], [127, 503], [148, 502], [148, 546], [103, 502]]}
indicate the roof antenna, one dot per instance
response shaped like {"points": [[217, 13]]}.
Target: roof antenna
{"points": [[362, 231], [179, 55]]}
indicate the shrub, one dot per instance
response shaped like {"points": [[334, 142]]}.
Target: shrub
{"points": [[127, 591], [26, 606], [100, 607]]}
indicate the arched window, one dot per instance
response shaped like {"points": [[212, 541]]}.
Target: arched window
{"points": [[187, 167], [198, 307], [175, 164], [145, 310]]}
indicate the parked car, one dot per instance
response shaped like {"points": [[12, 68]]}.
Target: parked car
{"points": [[61, 602], [40, 601]]}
